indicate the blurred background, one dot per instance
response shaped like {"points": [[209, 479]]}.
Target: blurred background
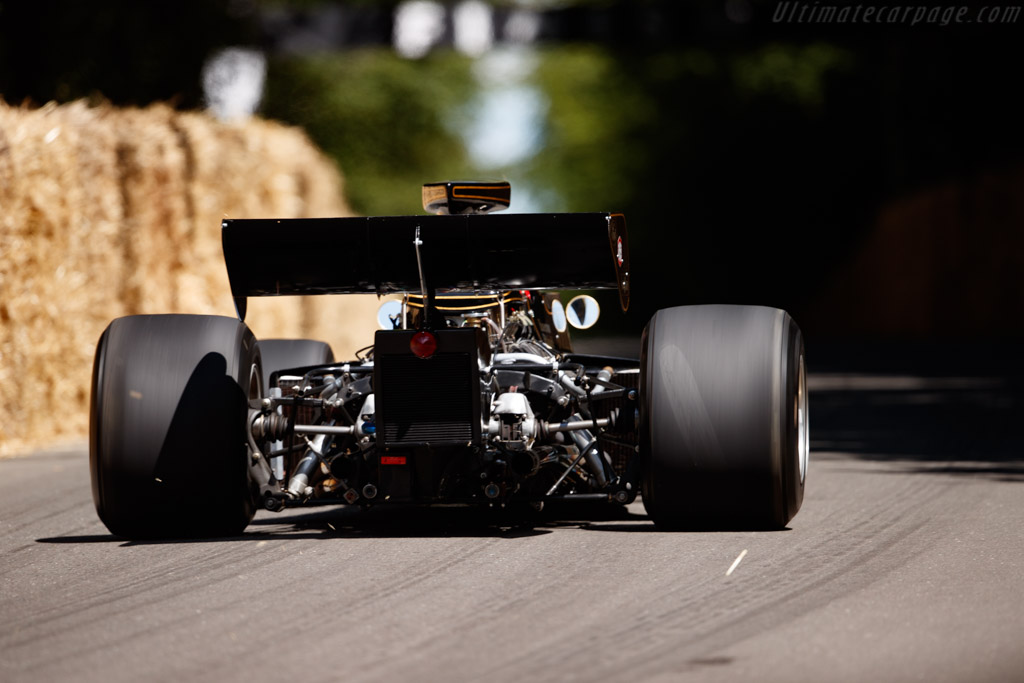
{"points": [[867, 177]]}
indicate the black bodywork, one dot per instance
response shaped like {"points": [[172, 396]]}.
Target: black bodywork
{"points": [[500, 410], [467, 253]]}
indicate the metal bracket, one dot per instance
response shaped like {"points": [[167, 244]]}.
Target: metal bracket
{"points": [[428, 294]]}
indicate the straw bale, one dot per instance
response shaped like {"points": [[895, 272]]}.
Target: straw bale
{"points": [[107, 212]]}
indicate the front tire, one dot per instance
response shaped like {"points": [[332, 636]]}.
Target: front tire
{"points": [[168, 451], [723, 412]]}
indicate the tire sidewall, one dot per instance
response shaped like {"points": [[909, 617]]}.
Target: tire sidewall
{"points": [[191, 477], [682, 488]]}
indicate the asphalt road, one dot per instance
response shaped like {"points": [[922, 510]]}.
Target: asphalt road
{"points": [[906, 563]]}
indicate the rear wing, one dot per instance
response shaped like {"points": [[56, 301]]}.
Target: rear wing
{"points": [[462, 253]]}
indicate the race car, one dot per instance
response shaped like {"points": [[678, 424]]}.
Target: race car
{"points": [[470, 394]]}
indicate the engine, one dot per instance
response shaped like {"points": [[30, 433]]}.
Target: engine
{"points": [[486, 409]]}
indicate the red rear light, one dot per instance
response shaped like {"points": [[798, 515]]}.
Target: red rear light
{"points": [[423, 344]]}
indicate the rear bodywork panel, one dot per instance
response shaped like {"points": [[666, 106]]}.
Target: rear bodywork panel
{"points": [[270, 257]]}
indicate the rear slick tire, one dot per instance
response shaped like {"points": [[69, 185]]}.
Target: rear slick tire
{"points": [[724, 420], [168, 452]]}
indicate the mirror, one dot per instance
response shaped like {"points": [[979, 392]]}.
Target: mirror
{"points": [[389, 315], [558, 315], [583, 311]]}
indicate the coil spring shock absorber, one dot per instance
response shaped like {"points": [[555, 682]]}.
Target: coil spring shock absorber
{"points": [[272, 426]]}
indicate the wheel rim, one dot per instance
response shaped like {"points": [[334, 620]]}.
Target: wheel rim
{"points": [[802, 422], [255, 382]]}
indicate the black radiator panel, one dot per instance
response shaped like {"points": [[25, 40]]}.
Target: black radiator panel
{"points": [[427, 401]]}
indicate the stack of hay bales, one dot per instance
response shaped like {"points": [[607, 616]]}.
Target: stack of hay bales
{"points": [[107, 212]]}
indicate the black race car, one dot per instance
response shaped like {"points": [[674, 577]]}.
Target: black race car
{"points": [[470, 394]]}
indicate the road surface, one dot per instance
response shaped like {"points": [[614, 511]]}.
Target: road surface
{"points": [[906, 563]]}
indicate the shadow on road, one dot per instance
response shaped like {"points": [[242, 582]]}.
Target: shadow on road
{"points": [[406, 521], [403, 521], [950, 409]]}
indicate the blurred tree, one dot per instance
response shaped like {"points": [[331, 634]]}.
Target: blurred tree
{"points": [[751, 170], [391, 123], [716, 156]]}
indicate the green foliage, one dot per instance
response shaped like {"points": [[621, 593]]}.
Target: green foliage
{"points": [[391, 123], [595, 110], [618, 120], [791, 72], [701, 147]]}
